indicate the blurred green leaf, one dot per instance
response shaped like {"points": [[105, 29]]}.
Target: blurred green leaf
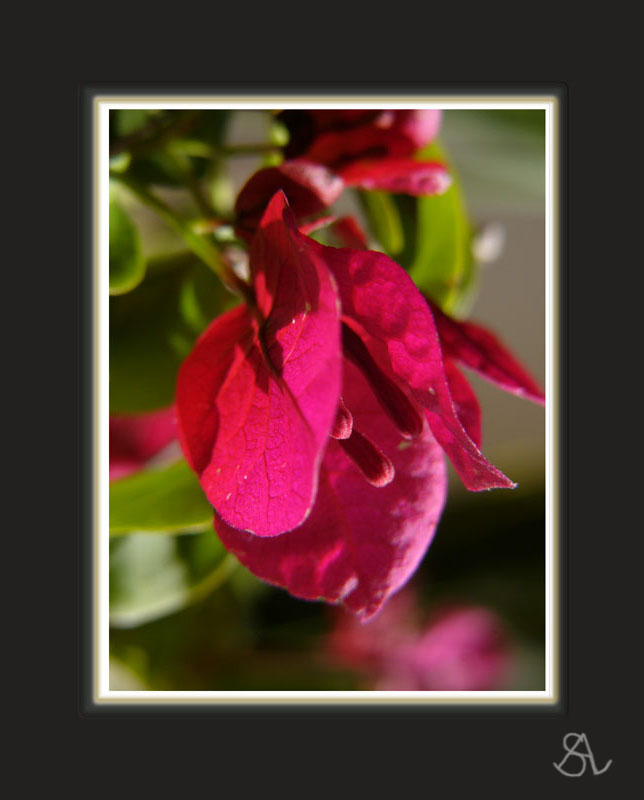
{"points": [[158, 168], [127, 264], [212, 127], [125, 121], [533, 121], [156, 164], [166, 500], [443, 264], [153, 576], [153, 328], [123, 678], [384, 221]]}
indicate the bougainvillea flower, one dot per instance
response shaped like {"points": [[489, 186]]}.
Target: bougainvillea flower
{"points": [[136, 438], [375, 513], [389, 333], [460, 649], [309, 189], [369, 149], [316, 415], [463, 344]]}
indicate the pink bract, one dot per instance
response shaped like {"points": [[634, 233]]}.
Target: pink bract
{"points": [[361, 543], [317, 414], [309, 189], [382, 305], [136, 438], [477, 348], [370, 149], [257, 396]]}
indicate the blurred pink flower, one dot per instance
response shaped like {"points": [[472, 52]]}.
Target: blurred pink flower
{"points": [[369, 149], [136, 438], [461, 649]]}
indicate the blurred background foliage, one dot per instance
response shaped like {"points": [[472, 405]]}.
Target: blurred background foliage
{"points": [[184, 615]]}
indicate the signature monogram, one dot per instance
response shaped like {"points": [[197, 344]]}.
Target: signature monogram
{"points": [[572, 743]]}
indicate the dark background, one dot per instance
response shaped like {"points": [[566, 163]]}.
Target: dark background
{"points": [[426, 750], [516, 748]]}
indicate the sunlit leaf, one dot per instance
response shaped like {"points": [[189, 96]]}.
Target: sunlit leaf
{"points": [[443, 265], [384, 221], [153, 576], [159, 500], [127, 264]]}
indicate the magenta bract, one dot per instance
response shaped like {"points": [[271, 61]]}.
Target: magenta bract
{"points": [[360, 543], [309, 188], [370, 149], [316, 417], [136, 438], [475, 347], [384, 308], [257, 397]]}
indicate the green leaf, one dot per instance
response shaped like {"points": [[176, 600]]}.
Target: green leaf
{"points": [[528, 120], [166, 500], [443, 265], [212, 127], [155, 163], [126, 121], [153, 328], [158, 168], [127, 264], [384, 221], [153, 576]]}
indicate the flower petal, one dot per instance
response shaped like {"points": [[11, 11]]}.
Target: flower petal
{"points": [[263, 473], [398, 175], [350, 234], [338, 148], [360, 543], [310, 188], [477, 348], [420, 126], [463, 650], [219, 350], [330, 136], [258, 401], [396, 325], [465, 402], [307, 228], [136, 438]]}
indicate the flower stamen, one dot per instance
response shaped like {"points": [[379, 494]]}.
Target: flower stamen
{"points": [[343, 425], [371, 461]]}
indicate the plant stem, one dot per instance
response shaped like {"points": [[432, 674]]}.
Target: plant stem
{"points": [[213, 580], [199, 245], [185, 174]]}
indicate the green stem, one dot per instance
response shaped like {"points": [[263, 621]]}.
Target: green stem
{"points": [[186, 176], [200, 246], [179, 600], [213, 580]]}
